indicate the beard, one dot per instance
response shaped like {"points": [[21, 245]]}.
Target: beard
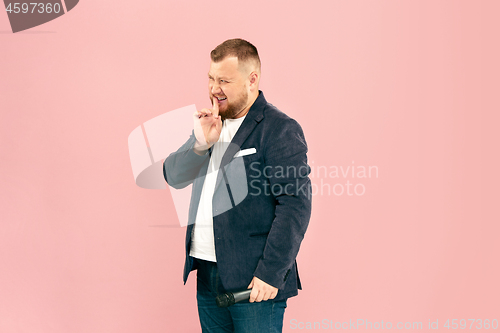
{"points": [[233, 108]]}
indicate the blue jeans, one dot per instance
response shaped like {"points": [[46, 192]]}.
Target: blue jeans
{"points": [[242, 317]]}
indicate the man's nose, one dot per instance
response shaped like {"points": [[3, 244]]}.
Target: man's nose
{"points": [[215, 88]]}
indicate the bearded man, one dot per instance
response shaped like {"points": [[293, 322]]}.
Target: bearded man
{"points": [[243, 233]]}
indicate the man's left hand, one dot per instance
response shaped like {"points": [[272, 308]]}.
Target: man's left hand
{"points": [[261, 291]]}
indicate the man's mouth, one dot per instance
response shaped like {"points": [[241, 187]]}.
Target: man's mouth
{"points": [[220, 99]]}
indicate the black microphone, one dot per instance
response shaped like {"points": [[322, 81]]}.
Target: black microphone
{"points": [[228, 299]]}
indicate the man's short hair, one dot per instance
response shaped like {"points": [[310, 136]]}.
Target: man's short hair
{"points": [[238, 48]]}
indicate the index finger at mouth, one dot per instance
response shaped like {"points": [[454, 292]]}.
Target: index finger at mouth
{"points": [[216, 107]]}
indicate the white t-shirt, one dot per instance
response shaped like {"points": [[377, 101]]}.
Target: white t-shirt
{"points": [[202, 238]]}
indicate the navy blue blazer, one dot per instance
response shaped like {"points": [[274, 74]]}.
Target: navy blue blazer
{"points": [[261, 231]]}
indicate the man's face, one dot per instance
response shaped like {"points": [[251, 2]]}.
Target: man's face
{"points": [[230, 86]]}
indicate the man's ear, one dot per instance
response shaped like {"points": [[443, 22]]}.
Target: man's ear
{"points": [[254, 79]]}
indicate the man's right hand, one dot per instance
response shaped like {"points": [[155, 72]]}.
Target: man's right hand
{"points": [[207, 127]]}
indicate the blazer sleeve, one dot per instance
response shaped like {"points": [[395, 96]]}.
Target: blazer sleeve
{"points": [[183, 166], [285, 156]]}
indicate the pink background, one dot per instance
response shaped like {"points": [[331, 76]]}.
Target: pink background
{"points": [[408, 86]]}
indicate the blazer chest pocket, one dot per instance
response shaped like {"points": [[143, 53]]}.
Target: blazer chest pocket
{"points": [[251, 160], [245, 152]]}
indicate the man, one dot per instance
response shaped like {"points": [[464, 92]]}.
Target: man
{"points": [[251, 197]]}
